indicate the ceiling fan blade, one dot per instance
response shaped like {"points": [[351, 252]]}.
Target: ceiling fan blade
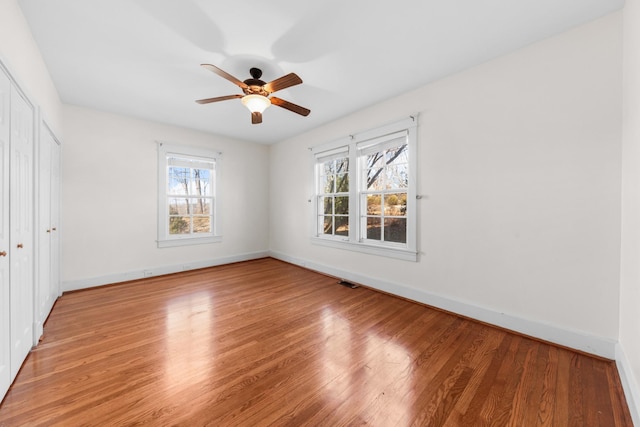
{"points": [[256, 118], [290, 106], [225, 75], [283, 82], [219, 98]]}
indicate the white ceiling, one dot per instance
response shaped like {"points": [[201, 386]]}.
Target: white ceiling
{"points": [[142, 57]]}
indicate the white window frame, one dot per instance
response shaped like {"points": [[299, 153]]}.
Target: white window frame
{"points": [[354, 145], [165, 239]]}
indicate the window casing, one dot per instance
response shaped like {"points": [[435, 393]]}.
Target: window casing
{"points": [[187, 196], [365, 191]]}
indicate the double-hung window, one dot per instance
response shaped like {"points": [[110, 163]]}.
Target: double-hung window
{"points": [[333, 193], [187, 195], [365, 197]]}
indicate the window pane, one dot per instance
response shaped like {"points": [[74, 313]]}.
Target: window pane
{"points": [[342, 205], [201, 206], [375, 160], [328, 205], [327, 225], [342, 165], [395, 230], [179, 180], [397, 176], [201, 182], [342, 225], [179, 225], [395, 204], [373, 204], [327, 168], [396, 155], [373, 228], [326, 184], [202, 224], [375, 179], [342, 183], [178, 206]]}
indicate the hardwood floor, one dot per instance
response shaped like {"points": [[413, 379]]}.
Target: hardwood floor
{"points": [[267, 343]]}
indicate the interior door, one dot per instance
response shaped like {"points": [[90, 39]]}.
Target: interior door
{"points": [[43, 232], [47, 289], [21, 225], [5, 328], [55, 221]]}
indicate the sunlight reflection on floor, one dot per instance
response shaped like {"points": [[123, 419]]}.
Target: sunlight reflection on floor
{"points": [[189, 340]]}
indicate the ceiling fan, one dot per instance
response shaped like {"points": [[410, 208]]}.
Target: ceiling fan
{"points": [[257, 93]]}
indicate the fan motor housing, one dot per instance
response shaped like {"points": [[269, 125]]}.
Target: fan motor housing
{"points": [[255, 87]]}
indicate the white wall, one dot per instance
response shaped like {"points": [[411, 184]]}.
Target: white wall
{"points": [[519, 163], [109, 201], [21, 55], [629, 357]]}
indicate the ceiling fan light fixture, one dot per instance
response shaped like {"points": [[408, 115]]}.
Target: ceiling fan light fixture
{"points": [[256, 103]]}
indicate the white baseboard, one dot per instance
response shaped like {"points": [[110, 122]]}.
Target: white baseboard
{"points": [[629, 384], [74, 285], [578, 340]]}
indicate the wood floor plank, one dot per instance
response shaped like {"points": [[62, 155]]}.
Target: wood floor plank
{"points": [[268, 343]]}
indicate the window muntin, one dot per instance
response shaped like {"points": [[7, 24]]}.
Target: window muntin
{"points": [[187, 195]]}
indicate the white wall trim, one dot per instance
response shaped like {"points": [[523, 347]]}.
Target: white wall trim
{"points": [[74, 285], [579, 340], [629, 385]]}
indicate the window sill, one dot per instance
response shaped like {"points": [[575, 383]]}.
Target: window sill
{"points": [[188, 241], [389, 252]]}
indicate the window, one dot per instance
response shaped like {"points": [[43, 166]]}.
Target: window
{"points": [[187, 195], [365, 191], [384, 189], [333, 194]]}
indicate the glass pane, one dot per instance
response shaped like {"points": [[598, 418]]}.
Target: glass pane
{"points": [[395, 204], [375, 160], [326, 184], [327, 168], [342, 205], [342, 183], [373, 204], [179, 225], [201, 206], [397, 176], [342, 165], [397, 155], [395, 230], [327, 226], [328, 205], [201, 182], [179, 179], [373, 228], [202, 224], [342, 225], [375, 179], [178, 206]]}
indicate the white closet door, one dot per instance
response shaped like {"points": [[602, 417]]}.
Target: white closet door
{"points": [[5, 328], [55, 221], [47, 289], [43, 231], [21, 224]]}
